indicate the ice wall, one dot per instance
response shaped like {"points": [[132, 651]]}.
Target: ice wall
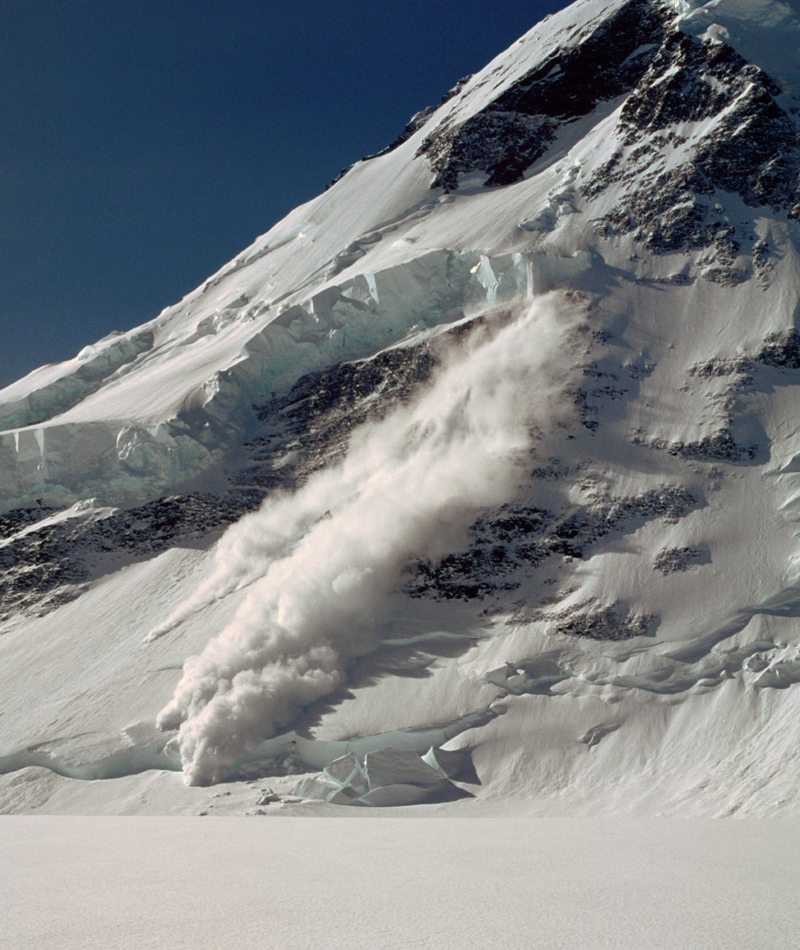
{"points": [[46, 455], [116, 461]]}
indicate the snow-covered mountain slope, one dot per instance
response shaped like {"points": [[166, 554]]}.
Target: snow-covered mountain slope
{"points": [[503, 425]]}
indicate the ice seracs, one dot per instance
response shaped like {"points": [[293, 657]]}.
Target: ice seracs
{"points": [[388, 778]]}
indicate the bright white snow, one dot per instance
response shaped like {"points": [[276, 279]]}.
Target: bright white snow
{"points": [[703, 718], [242, 884]]}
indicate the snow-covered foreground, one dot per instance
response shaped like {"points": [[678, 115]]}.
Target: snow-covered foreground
{"points": [[136, 883]]}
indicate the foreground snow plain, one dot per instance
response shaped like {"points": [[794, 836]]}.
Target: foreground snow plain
{"points": [[236, 884]]}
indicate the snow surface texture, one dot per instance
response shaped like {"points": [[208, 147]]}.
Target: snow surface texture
{"points": [[502, 429], [301, 884]]}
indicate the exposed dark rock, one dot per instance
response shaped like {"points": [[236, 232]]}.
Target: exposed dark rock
{"points": [[719, 447], [716, 368], [588, 398], [50, 565], [677, 280], [502, 144], [513, 131], [572, 81], [311, 425], [753, 150], [387, 378], [728, 276], [608, 623], [781, 350], [18, 519], [763, 255], [687, 81], [670, 560], [509, 544], [553, 471]]}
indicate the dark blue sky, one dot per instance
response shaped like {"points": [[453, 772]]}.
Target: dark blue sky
{"points": [[144, 143]]}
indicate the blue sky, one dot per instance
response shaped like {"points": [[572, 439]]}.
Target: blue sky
{"points": [[143, 144]]}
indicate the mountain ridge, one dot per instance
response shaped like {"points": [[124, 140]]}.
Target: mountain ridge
{"points": [[502, 423]]}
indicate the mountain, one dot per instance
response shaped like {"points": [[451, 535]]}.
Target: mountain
{"points": [[492, 446]]}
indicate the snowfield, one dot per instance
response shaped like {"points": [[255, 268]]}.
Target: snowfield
{"points": [[239, 884]]}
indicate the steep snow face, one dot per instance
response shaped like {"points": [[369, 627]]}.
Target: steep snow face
{"points": [[510, 414], [384, 254]]}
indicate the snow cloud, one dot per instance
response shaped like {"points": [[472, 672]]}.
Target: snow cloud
{"points": [[321, 562]]}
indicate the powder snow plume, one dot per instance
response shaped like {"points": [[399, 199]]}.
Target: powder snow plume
{"points": [[323, 560]]}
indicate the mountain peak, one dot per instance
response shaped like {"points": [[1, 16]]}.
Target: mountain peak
{"points": [[493, 443]]}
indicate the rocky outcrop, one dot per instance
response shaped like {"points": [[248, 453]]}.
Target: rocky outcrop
{"points": [[751, 148], [42, 567], [508, 545], [506, 137]]}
